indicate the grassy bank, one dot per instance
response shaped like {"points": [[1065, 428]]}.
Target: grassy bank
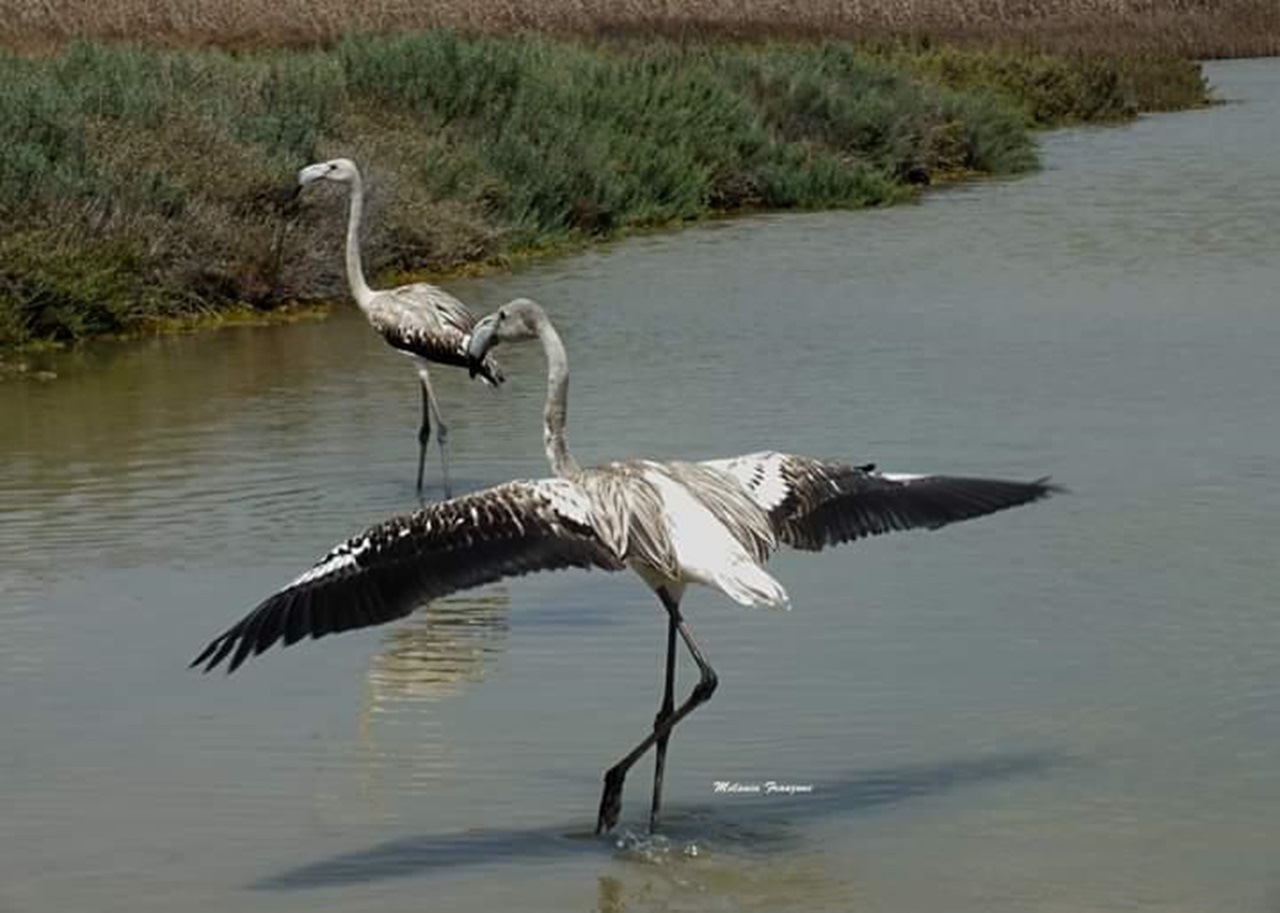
{"points": [[140, 186], [1188, 28]]}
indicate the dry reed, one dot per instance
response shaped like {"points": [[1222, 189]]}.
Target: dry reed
{"points": [[1193, 28]]}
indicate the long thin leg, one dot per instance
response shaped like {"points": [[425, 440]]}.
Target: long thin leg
{"points": [[424, 432], [442, 438], [615, 776], [664, 713]]}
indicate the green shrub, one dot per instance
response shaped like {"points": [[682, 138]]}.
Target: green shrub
{"points": [[138, 184]]}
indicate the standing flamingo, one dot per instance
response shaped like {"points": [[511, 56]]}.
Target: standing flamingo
{"points": [[422, 321]]}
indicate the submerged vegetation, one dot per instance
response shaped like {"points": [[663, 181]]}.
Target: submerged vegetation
{"points": [[141, 185]]}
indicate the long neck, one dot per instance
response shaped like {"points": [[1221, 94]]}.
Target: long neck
{"points": [[557, 407], [355, 272]]}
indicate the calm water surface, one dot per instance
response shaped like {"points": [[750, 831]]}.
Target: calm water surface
{"points": [[1070, 707]]}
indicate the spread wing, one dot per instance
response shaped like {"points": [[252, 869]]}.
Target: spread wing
{"points": [[812, 503], [390, 569]]}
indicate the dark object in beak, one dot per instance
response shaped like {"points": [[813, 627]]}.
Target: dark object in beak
{"points": [[479, 344]]}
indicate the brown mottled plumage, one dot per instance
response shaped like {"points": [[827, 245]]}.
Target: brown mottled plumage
{"points": [[390, 569]]}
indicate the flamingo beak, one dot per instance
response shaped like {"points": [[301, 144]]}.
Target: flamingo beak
{"points": [[481, 341]]}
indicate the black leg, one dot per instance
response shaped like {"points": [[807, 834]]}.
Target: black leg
{"points": [[424, 433], [664, 713], [615, 776], [442, 433]]}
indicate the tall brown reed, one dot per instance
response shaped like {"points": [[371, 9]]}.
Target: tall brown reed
{"points": [[1196, 28]]}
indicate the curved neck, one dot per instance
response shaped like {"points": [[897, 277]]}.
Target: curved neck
{"points": [[557, 407], [355, 271]]}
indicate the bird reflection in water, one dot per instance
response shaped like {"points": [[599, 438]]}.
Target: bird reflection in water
{"points": [[440, 650], [403, 743], [802, 883]]}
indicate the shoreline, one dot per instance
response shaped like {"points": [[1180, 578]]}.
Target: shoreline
{"points": [[574, 145]]}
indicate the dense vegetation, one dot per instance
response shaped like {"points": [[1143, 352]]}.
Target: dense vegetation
{"points": [[139, 185], [1187, 28]]}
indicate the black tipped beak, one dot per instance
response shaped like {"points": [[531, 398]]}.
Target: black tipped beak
{"points": [[287, 199], [479, 344]]}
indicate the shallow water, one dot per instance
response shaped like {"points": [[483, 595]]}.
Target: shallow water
{"points": [[1067, 707]]}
